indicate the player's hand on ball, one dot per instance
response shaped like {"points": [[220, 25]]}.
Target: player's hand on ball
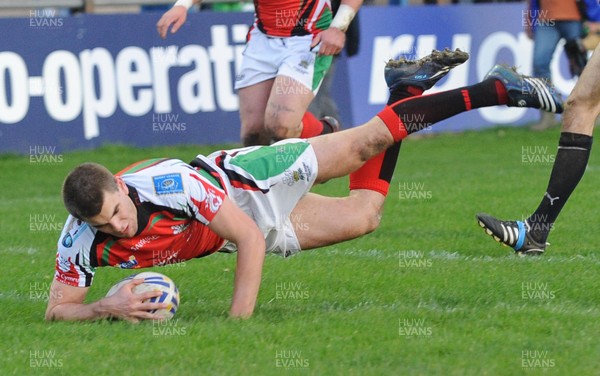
{"points": [[128, 305], [175, 16], [332, 41]]}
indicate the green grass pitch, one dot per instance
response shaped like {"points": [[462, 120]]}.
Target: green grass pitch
{"points": [[428, 293]]}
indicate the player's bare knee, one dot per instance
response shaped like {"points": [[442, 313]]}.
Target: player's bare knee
{"points": [[579, 112], [582, 98]]}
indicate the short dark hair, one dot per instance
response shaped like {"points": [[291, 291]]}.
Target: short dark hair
{"points": [[84, 188]]}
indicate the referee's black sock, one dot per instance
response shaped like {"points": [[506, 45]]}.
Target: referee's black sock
{"points": [[569, 166]]}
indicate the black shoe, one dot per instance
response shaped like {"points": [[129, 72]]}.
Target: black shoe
{"points": [[514, 234], [525, 91], [425, 72], [331, 122]]}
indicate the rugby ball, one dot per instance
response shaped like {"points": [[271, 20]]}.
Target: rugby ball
{"points": [[154, 282]]}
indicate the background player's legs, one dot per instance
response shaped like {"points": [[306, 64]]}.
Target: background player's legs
{"points": [[253, 101], [545, 40]]}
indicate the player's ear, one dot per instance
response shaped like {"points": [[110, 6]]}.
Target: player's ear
{"points": [[121, 184]]}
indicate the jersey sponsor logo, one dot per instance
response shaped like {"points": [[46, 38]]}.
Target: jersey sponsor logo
{"points": [[132, 263], [144, 241], [66, 278], [168, 184], [67, 240]]}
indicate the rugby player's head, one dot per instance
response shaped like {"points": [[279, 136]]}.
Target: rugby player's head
{"points": [[85, 188]]}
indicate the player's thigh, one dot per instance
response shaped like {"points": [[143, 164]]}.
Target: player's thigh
{"points": [[320, 221]]}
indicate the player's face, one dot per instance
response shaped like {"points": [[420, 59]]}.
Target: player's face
{"points": [[118, 216]]}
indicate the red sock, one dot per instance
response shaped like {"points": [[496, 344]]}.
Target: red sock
{"points": [[376, 174], [311, 126], [393, 123], [367, 177]]}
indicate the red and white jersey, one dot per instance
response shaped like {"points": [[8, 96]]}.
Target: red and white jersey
{"points": [[288, 18], [175, 202]]}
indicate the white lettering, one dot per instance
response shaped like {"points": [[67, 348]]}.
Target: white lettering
{"points": [[98, 101], [65, 63], [162, 60], [13, 110], [221, 54], [195, 88], [133, 70]]}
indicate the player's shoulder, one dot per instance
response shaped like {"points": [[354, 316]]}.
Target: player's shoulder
{"points": [[73, 265], [157, 176], [75, 241], [74, 231], [152, 166]]}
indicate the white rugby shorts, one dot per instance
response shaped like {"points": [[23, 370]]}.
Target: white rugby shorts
{"points": [[267, 182], [266, 57]]}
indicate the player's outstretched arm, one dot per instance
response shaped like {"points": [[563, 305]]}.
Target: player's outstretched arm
{"points": [[66, 303], [233, 224], [175, 16]]}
